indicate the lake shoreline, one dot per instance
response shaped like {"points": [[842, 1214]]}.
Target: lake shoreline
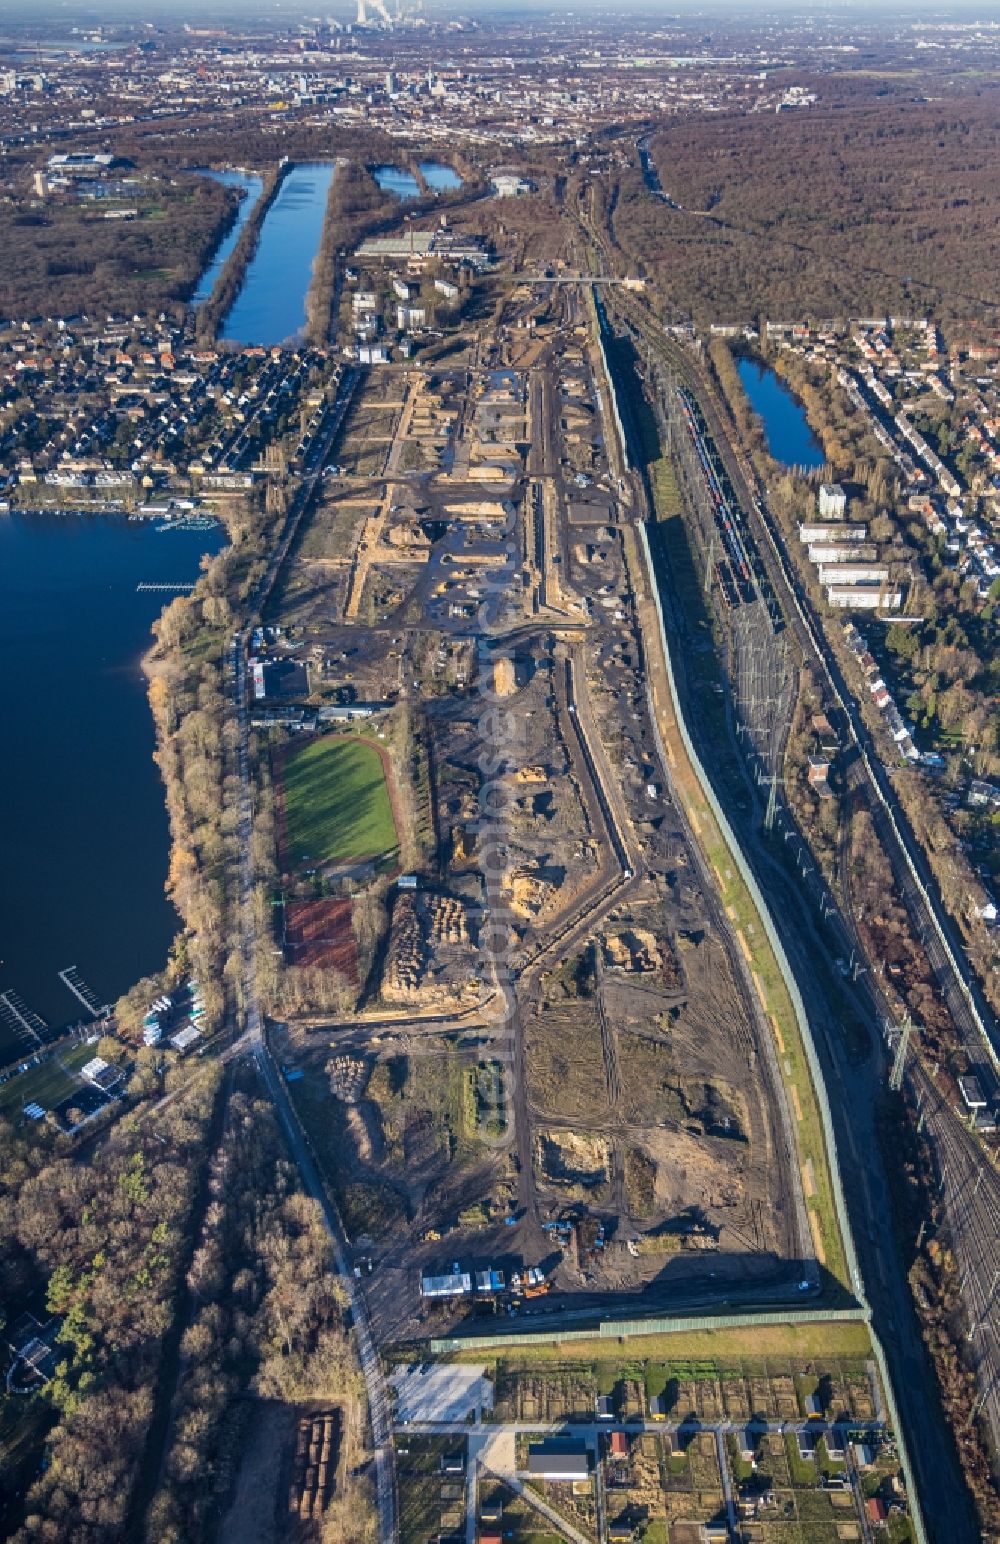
{"points": [[789, 437], [83, 822]]}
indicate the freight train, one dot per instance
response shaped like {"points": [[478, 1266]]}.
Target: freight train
{"points": [[738, 567]]}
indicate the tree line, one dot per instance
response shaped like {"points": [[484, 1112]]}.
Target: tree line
{"points": [[97, 1235], [269, 1323], [863, 203]]}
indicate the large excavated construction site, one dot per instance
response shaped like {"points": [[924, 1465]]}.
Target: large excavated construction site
{"points": [[558, 1060]]}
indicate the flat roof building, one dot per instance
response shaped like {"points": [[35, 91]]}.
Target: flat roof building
{"points": [[412, 244], [971, 1091], [455, 1284], [185, 1038], [832, 501], [860, 597], [487, 1282], [559, 1458], [853, 573], [509, 185], [817, 531]]}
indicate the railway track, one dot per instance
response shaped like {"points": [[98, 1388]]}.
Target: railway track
{"points": [[972, 1017], [975, 1234], [970, 1193], [609, 1041]]}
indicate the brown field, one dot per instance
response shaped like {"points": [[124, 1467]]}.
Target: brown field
{"points": [[320, 933], [288, 1474]]}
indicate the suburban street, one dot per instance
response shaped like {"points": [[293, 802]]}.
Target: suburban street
{"points": [[254, 1039]]}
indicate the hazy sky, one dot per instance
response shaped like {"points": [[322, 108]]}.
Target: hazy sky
{"points": [[183, 10], [92, 11]]}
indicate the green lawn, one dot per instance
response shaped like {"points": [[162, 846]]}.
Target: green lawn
{"points": [[811, 1340], [336, 803], [45, 1085]]}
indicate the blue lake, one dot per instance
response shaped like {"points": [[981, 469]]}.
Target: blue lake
{"points": [[786, 428], [83, 823], [252, 187], [396, 180], [271, 306], [440, 178]]}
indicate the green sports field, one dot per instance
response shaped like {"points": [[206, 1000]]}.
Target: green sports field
{"points": [[336, 803]]}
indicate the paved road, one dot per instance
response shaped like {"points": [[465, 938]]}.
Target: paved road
{"points": [[589, 1431], [727, 1488], [255, 1042]]}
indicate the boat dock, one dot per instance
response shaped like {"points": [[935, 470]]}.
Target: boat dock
{"points": [[189, 523], [154, 588], [24, 1025], [71, 978]]}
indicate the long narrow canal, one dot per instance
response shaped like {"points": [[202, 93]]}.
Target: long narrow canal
{"points": [[251, 185], [271, 306], [83, 827]]}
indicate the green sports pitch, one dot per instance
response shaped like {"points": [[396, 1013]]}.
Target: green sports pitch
{"points": [[336, 803]]}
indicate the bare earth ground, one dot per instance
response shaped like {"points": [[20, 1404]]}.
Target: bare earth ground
{"points": [[320, 933], [281, 1492], [267, 1456]]}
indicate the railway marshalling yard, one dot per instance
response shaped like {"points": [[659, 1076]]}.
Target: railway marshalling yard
{"points": [[553, 1054]]}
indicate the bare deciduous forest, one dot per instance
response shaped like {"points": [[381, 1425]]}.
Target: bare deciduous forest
{"points": [[878, 203]]}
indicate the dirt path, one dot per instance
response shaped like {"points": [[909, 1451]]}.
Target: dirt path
{"points": [[157, 1443], [252, 1515]]}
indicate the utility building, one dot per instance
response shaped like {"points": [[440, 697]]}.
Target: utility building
{"points": [[457, 1284]]}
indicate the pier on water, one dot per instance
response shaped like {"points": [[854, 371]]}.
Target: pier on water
{"points": [[71, 978], [25, 1026], [154, 587], [32, 1039]]}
